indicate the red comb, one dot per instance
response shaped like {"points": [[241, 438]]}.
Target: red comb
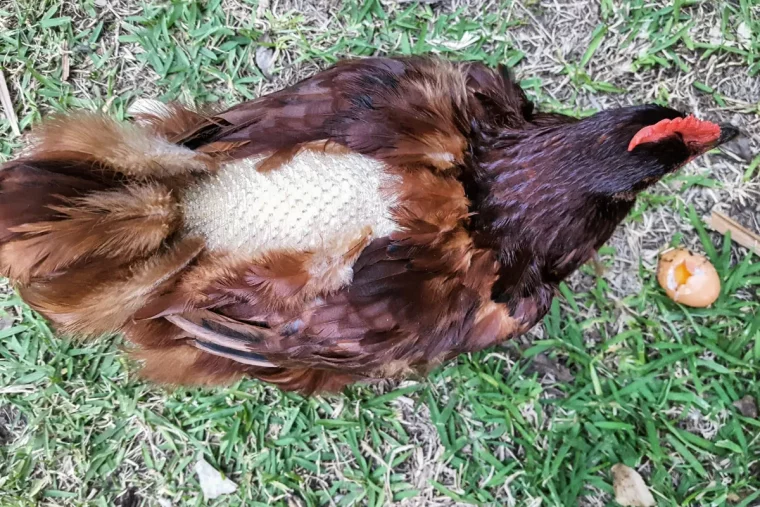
{"points": [[691, 129]]}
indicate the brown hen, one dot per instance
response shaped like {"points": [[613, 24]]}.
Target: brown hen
{"points": [[374, 220]]}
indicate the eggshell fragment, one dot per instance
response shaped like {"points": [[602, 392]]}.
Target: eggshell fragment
{"points": [[687, 278]]}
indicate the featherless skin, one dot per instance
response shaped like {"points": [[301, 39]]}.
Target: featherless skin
{"points": [[374, 220]]}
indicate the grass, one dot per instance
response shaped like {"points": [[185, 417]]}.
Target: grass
{"points": [[617, 373]]}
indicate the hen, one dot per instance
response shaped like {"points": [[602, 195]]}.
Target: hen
{"points": [[374, 220]]}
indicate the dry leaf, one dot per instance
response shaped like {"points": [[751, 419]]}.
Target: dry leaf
{"points": [[630, 488], [265, 60], [213, 483], [744, 34], [747, 406], [543, 365], [741, 147], [6, 321]]}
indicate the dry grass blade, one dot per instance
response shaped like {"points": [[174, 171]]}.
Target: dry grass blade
{"points": [[65, 61], [723, 223], [262, 9], [5, 101]]}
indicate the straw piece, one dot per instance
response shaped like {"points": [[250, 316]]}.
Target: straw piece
{"points": [[5, 101], [722, 223]]}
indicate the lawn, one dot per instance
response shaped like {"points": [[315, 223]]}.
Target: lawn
{"points": [[617, 372]]}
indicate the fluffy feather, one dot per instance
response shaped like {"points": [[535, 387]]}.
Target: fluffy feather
{"points": [[123, 148]]}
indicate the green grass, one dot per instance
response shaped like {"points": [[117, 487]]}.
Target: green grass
{"points": [[658, 390]]}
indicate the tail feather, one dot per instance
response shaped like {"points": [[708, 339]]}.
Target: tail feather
{"points": [[100, 224], [28, 189], [89, 220]]}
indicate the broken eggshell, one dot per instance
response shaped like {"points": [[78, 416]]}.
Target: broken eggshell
{"points": [[688, 279]]}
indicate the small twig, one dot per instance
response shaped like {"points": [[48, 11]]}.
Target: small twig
{"points": [[722, 223], [5, 101], [65, 61]]}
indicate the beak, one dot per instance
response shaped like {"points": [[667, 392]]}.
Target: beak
{"points": [[727, 133]]}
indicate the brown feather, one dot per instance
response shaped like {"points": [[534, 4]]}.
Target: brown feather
{"points": [[406, 112], [304, 380], [102, 297], [168, 120], [186, 365], [28, 189], [179, 363], [171, 360], [128, 149], [275, 284], [125, 223]]}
